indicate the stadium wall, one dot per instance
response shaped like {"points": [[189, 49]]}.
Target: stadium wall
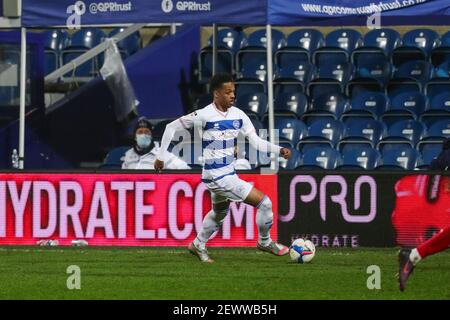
{"points": [[339, 209], [162, 74]]}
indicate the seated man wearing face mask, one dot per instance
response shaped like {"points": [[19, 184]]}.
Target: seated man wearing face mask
{"points": [[143, 153]]}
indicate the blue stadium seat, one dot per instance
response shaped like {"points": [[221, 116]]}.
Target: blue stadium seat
{"points": [[416, 45], [441, 54], [281, 86], [247, 86], [347, 39], [320, 157], [407, 105], [229, 39], [55, 41], [258, 39], [287, 56], [115, 158], [294, 104], [415, 102], [435, 87], [250, 55], [442, 70], [302, 71], [403, 132], [372, 104], [82, 41], [438, 109], [308, 39], [360, 157], [326, 55], [289, 129], [253, 70], [328, 105], [429, 150], [323, 131], [384, 39], [225, 62], [400, 85], [300, 45], [441, 102], [255, 103], [401, 157], [445, 39], [128, 46], [425, 39], [370, 68], [319, 87], [87, 38], [362, 131], [422, 71], [358, 86], [341, 72], [439, 129], [431, 145]]}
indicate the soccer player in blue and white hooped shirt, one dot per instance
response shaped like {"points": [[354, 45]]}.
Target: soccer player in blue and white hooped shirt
{"points": [[221, 123]]}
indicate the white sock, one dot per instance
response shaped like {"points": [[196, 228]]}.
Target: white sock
{"points": [[264, 220], [211, 223], [414, 256]]}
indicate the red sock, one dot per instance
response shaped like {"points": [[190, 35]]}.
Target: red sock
{"points": [[437, 243]]}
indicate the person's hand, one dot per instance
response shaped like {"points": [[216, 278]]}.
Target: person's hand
{"points": [[286, 153], [159, 165]]}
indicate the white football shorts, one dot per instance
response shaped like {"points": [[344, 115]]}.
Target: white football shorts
{"points": [[230, 188]]}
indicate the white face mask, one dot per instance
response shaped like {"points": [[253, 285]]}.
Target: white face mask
{"points": [[143, 140]]}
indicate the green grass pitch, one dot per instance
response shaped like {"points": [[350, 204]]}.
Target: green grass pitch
{"points": [[172, 273]]}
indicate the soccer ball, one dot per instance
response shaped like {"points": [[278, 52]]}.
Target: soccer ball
{"points": [[302, 251]]}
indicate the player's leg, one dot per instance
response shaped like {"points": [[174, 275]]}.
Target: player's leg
{"points": [[264, 221], [437, 243], [211, 223], [409, 258]]}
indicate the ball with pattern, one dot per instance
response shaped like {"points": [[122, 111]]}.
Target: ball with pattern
{"points": [[302, 251]]}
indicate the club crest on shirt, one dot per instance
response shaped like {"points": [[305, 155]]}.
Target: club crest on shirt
{"points": [[236, 124]]}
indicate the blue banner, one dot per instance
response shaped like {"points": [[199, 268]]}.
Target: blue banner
{"points": [[73, 13], [351, 12]]}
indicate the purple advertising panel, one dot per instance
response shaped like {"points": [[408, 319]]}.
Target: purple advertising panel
{"points": [[354, 209]]}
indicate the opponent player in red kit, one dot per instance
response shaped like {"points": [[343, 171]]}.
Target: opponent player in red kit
{"points": [[409, 258]]}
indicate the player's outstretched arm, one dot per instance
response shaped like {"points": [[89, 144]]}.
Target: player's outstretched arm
{"points": [[169, 132], [266, 146]]}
